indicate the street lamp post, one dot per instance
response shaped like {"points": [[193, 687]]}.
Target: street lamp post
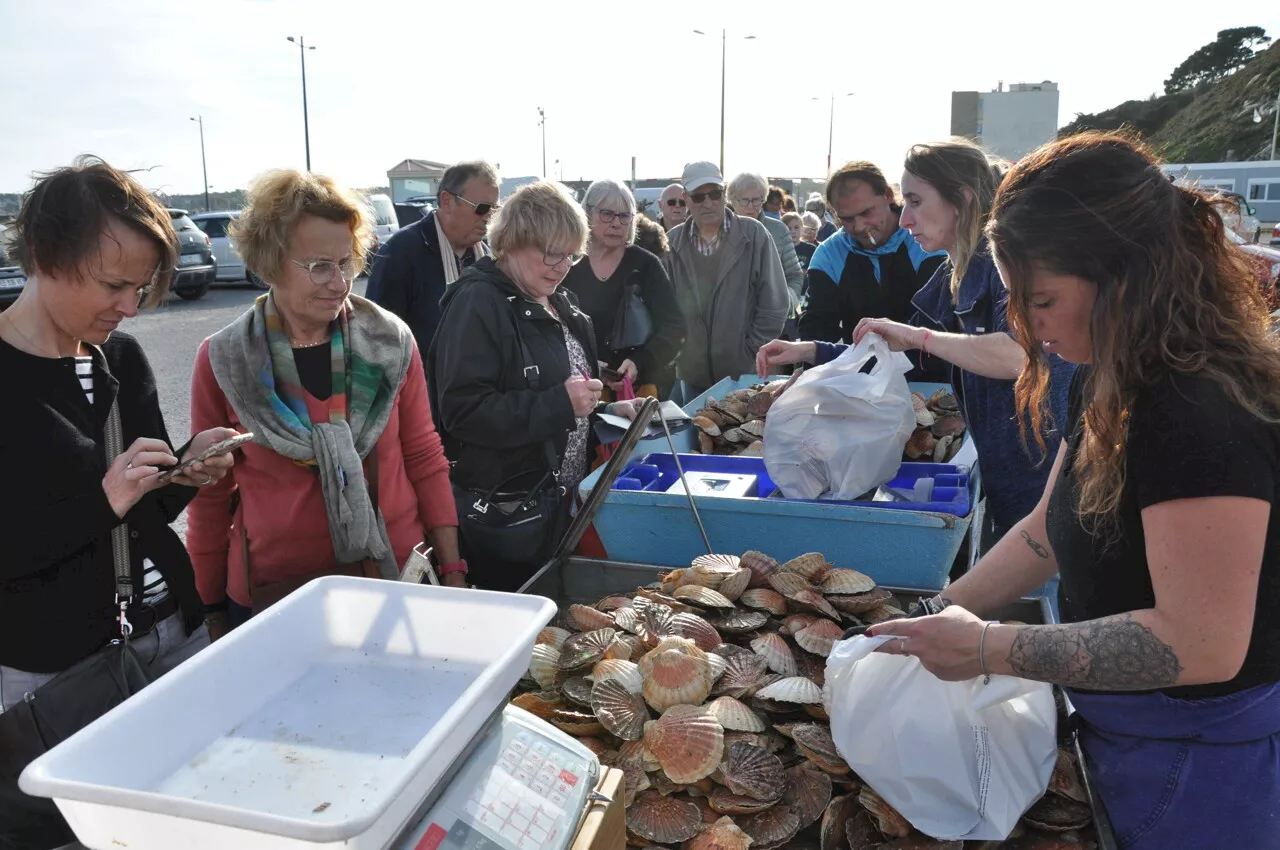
{"points": [[723, 53], [542, 122], [204, 168], [1275, 125], [306, 126], [831, 127]]}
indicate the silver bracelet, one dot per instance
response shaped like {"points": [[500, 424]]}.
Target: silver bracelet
{"points": [[982, 657]]}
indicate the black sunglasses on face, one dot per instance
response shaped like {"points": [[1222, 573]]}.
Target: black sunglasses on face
{"points": [[699, 197], [478, 209], [672, 202]]}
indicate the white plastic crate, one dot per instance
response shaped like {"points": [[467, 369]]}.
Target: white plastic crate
{"points": [[322, 723]]}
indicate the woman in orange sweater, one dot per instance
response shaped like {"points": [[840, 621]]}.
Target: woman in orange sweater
{"points": [[346, 471]]}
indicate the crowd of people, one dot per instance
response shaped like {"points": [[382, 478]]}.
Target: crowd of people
{"points": [[1112, 355]]}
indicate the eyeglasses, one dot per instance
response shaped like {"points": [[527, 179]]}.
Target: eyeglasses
{"points": [[750, 202], [479, 209], [609, 215], [699, 197], [675, 202], [322, 271], [554, 260]]}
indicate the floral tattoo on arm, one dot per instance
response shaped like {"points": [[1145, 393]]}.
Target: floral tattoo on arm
{"points": [[1112, 654]]}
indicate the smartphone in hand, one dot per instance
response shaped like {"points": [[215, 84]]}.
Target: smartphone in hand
{"points": [[219, 448]]}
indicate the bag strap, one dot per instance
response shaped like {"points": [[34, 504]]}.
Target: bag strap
{"points": [[533, 377], [120, 534]]}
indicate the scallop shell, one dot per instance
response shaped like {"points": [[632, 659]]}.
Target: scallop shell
{"points": [[943, 401], [676, 672], [728, 650], [585, 649], [812, 566], [754, 449], [703, 597], [811, 667], [614, 603], [736, 715], [543, 666], [724, 834], [761, 566], [758, 405], [860, 831], [814, 743], [696, 629], [753, 427], [772, 828], [1065, 779], [819, 636], [628, 619], [625, 648], [808, 792], [708, 427], [847, 582], [942, 448], [882, 614], [733, 586], [777, 655], [587, 619], [887, 818], [540, 703], [705, 443], [796, 623], [578, 690], [917, 841], [860, 603], [921, 444], [553, 636], [740, 622], [764, 599], [726, 802], [788, 583], [718, 665], [576, 722], [840, 812], [793, 689], [812, 600], [722, 562], [742, 675], [1058, 814], [687, 741], [619, 710], [949, 425], [764, 740], [667, 820], [754, 772]]}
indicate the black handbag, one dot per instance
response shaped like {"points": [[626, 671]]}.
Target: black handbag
{"points": [[66, 704], [509, 525], [633, 325]]}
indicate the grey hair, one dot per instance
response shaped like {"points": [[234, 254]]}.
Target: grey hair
{"points": [[816, 205], [745, 182], [603, 191], [812, 220], [456, 176]]}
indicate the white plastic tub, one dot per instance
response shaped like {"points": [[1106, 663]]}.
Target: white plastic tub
{"points": [[320, 724]]}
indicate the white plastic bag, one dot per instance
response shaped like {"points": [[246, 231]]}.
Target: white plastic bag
{"points": [[956, 759], [837, 433]]}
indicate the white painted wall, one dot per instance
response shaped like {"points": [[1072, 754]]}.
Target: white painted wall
{"points": [[1014, 123]]}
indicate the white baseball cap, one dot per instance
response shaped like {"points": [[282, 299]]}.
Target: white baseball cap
{"points": [[698, 174]]}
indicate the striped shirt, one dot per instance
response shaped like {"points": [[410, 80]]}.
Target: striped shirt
{"points": [[153, 585], [707, 247]]}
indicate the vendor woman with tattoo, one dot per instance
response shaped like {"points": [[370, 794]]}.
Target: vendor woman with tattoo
{"points": [[1158, 511]]}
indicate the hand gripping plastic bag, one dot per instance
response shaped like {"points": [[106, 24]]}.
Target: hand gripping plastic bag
{"points": [[838, 433], [956, 759]]}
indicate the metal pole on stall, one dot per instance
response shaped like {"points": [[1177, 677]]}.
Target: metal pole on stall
{"points": [[203, 163]]}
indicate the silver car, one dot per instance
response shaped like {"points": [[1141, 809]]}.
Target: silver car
{"points": [[230, 265]]}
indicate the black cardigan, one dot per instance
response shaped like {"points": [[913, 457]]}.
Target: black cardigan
{"points": [[57, 577]]}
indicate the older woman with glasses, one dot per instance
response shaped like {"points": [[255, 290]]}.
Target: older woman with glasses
{"points": [[616, 281], [346, 472]]}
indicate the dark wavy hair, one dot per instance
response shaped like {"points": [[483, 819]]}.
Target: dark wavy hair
{"points": [[1173, 295]]}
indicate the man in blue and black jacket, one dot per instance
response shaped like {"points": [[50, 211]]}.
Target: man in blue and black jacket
{"points": [[869, 269]]}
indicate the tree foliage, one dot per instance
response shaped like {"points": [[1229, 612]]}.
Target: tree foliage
{"points": [[1229, 52]]}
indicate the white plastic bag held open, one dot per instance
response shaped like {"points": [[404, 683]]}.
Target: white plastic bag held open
{"points": [[837, 433], [957, 759]]}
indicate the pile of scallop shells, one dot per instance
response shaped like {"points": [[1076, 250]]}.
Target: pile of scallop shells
{"points": [[734, 425], [705, 689], [939, 428]]}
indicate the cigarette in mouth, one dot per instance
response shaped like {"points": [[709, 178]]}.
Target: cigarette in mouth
{"points": [[872, 237]]}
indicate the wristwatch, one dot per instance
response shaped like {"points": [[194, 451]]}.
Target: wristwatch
{"points": [[458, 566]]}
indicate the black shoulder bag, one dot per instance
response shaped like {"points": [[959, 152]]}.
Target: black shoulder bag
{"points": [[633, 325], [68, 702], [515, 526]]}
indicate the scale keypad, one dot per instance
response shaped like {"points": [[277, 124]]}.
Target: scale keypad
{"points": [[526, 795]]}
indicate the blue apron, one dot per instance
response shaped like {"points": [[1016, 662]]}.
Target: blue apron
{"points": [[1186, 774]]}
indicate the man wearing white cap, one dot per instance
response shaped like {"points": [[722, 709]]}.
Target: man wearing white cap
{"points": [[729, 280]]}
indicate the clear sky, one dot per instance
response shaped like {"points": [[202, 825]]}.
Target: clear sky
{"points": [[391, 79]]}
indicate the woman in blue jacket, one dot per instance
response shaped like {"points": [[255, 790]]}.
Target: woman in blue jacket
{"points": [[947, 190]]}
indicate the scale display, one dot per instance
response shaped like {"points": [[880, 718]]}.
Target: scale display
{"points": [[525, 787]]}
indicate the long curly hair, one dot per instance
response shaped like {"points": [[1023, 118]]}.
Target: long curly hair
{"points": [[1173, 295]]}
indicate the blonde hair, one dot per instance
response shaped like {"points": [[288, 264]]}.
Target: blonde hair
{"points": [[277, 201], [789, 217], [540, 215]]}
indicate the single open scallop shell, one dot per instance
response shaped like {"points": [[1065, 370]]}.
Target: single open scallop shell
{"points": [[882, 614], [734, 586], [587, 619], [1058, 814], [669, 581], [696, 629], [576, 721], [860, 830], [887, 818], [736, 715], [812, 667], [793, 689], [764, 599], [585, 649], [812, 600], [844, 581], [742, 675], [724, 834], [819, 636], [777, 655], [703, 597], [543, 666], [613, 603], [718, 665], [627, 672], [840, 811], [795, 622], [740, 622], [754, 772], [687, 741], [676, 672], [626, 648], [628, 619], [812, 565], [666, 820], [814, 742], [808, 792], [771, 828], [788, 584], [620, 710], [761, 566], [728, 650], [540, 703], [553, 636], [860, 603], [764, 740], [726, 802], [1066, 778], [578, 690], [721, 562]]}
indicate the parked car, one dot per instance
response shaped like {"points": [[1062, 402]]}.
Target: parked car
{"points": [[12, 280], [197, 267], [230, 265], [4, 247], [1266, 265], [384, 218], [1241, 221], [414, 209], [1275, 234]]}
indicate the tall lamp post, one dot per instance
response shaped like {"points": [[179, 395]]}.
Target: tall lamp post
{"points": [[723, 52], [831, 127], [306, 126], [204, 168], [542, 122]]}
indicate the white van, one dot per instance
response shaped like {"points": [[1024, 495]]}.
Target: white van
{"points": [[384, 218]]}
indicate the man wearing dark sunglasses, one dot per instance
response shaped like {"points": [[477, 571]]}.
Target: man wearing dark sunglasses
{"points": [[411, 271], [672, 207], [729, 281]]}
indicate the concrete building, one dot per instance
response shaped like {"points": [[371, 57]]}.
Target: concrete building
{"points": [[1009, 124], [415, 178], [1258, 182]]}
